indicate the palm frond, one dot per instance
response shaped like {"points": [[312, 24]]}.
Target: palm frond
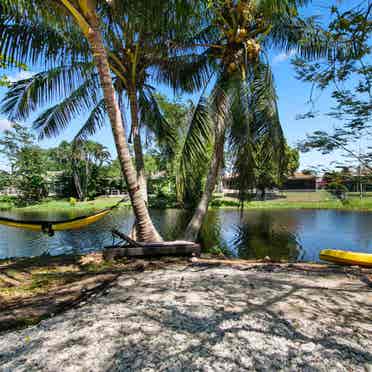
{"points": [[194, 150], [28, 41], [255, 129], [304, 36], [188, 73], [55, 119], [26, 96], [95, 121], [153, 119]]}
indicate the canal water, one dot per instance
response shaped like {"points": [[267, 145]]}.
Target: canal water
{"points": [[296, 235]]}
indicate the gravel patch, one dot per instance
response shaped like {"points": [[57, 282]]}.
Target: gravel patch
{"points": [[194, 318]]}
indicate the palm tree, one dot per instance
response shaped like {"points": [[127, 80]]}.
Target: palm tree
{"points": [[132, 59], [88, 153], [86, 15], [242, 105]]}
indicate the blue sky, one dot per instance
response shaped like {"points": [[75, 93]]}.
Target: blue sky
{"points": [[293, 97]]}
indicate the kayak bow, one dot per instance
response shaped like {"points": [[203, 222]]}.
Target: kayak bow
{"points": [[346, 257]]}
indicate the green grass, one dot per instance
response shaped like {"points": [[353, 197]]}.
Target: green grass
{"points": [[350, 204], [65, 206], [6, 202], [301, 200], [291, 200], [5, 206]]}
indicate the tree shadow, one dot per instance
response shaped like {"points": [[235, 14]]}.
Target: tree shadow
{"points": [[217, 319]]}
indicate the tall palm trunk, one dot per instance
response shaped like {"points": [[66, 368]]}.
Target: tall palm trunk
{"points": [[194, 226], [77, 184], [137, 144], [76, 178], [145, 228]]}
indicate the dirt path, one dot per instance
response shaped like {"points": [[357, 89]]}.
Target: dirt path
{"points": [[187, 318]]}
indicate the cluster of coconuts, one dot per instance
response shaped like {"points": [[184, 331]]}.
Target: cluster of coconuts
{"points": [[252, 48], [246, 9]]}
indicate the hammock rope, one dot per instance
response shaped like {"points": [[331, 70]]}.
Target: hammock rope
{"points": [[49, 227]]}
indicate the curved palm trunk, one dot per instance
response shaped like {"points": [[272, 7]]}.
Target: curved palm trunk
{"points": [[137, 144], [145, 228], [194, 226]]}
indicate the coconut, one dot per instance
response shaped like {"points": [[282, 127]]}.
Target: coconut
{"points": [[253, 49], [242, 33], [231, 67]]}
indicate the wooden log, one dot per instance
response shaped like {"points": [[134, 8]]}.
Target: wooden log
{"points": [[176, 248]]}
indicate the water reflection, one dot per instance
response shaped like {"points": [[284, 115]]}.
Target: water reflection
{"points": [[292, 234], [263, 237]]}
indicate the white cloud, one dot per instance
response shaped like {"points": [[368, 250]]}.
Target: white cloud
{"points": [[21, 75], [282, 57], [5, 124]]}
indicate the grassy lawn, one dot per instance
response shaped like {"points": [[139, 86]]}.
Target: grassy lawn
{"points": [[302, 200], [299, 200], [352, 204], [5, 205], [64, 205]]}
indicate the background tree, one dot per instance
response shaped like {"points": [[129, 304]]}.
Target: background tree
{"points": [[347, 73], [83, 166], [29, 175], [4, 179], [269, 173], [26, 162], [5, 64]]}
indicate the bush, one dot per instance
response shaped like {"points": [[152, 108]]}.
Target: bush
{"points": [[7, 202], [7, 199], [338, 190], [72, 202], [218, 203], [161, 201]]}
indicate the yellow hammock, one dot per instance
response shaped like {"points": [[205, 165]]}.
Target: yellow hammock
{"points": [[49, 227]]}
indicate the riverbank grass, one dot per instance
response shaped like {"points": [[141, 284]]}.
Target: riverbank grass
{"points": [[64, 205], [290, 200], [299, 200]]}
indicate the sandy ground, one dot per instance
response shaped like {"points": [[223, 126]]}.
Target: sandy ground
{"points": [[203, 318]]}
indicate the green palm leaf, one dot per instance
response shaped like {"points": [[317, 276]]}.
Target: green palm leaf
{"points": [[57, 118], [195, 145], [26, 96], [30, 41], [152, 118], [95, 121]]}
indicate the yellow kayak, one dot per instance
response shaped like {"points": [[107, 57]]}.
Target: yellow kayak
{"points": [[346, 257]]}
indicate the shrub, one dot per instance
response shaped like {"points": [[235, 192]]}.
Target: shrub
{"points": [[338, 190], [218, 203]]}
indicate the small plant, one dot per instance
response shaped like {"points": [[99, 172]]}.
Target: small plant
{"points": [[72, 201], [338, 190]]}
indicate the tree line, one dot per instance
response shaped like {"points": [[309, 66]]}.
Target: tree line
{"points": [[85, 169]]}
